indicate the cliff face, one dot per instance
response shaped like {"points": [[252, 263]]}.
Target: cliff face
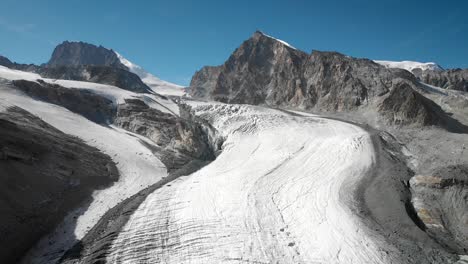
{"points": [[264, 70]]}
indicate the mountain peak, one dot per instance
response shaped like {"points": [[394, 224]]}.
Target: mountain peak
{"points": [[75, 53]]}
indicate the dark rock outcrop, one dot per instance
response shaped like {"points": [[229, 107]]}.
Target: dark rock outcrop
{"points": [[405, 106], [4, 61], [97, 74], [178, 140], [203, 81], [90, 105], [44, 174], [81, 53]]}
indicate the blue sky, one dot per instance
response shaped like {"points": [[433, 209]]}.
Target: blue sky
{"points": [[174, 38]]}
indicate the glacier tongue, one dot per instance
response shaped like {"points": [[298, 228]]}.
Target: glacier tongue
{"points": [[275, 194], [156, 84]]}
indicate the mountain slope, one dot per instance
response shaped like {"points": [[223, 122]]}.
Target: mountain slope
{"points": [[264, 70], [81, 53], [157, 85]]}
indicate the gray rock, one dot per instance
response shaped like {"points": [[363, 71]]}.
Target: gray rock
{"points": [[441, 203], [178, 140], [264, 70], [454, 79], [44, 174]]}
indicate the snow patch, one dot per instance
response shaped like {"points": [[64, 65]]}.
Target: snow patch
{"points": [[157, 85], [279, 40], [410, 65]]}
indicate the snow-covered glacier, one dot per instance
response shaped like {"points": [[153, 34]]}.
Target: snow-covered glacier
{"points": [[280, 192]]}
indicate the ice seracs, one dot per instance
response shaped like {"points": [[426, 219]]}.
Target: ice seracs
{"points": [[156, 84], [410, 65]]}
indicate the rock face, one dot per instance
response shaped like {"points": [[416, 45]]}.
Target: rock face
{"points": [[203, 81], [441, 203], [264, 70], [97, 74], [404, 106], [455, 79], [44, 174], [81, 53], [178, 140]]}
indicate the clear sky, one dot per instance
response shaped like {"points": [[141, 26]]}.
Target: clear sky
{"points": [[172, 39]]}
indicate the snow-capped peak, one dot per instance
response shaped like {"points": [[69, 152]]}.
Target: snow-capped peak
{"points": [[410, 65], [157, 85], [279, 40]]}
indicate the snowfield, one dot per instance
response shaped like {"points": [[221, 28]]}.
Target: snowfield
{"points": [[410, 65], [137, 165], [280, 192]]}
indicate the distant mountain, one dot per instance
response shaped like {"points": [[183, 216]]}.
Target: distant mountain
{"points": [[81, 53]]}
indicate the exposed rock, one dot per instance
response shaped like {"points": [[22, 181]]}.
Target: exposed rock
{"points": [[97, 74], [81, 53], [178, 140], [441, 203], [92, 106], [203, 80], [44, 174], [455, 79]]}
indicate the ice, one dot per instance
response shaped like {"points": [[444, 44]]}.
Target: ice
{"points": [[278, 193]]}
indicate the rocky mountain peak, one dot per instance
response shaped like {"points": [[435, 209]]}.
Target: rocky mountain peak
{"points": [[4, 61], [70, 53]]}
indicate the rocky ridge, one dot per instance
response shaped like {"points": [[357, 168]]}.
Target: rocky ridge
{"points": [[266, 71]]}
